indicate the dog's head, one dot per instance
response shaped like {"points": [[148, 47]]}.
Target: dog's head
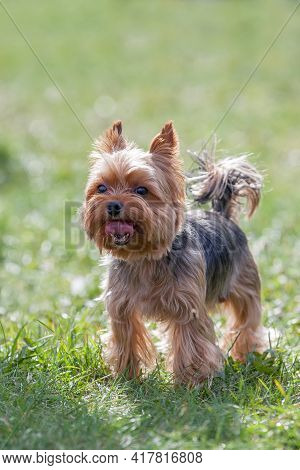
{"points": [[134, 199]]}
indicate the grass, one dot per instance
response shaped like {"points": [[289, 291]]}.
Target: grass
{"points": [[145, 62]]}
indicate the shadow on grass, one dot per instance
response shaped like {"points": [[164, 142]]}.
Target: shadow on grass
{"points": [[44, 409]]}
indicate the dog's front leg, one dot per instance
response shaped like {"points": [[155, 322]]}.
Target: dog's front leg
{"points": [[194, 355], [130, 346]]}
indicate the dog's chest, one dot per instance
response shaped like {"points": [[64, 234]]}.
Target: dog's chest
{"points": [[149, 286]]}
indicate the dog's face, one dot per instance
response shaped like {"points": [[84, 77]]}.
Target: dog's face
{"points": [[134, 199]]}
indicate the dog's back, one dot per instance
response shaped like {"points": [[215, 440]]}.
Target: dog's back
{"points": [[222, 244]]}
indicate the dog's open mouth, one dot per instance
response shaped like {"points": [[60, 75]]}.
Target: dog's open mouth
{"points": [[120, 231]]}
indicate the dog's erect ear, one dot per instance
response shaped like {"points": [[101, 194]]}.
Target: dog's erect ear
{"points": [[112, 140], [165, 143]]}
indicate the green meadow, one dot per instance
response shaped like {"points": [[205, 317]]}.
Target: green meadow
{"points": [[144, 62]]}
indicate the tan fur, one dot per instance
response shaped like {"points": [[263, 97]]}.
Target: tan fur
{"points": [[165, 143], [112, 140], [244, 331], [142, 284], [193, 356], [130, 344]]}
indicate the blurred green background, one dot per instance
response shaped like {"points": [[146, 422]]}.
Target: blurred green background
{"points": [[143, 62]]}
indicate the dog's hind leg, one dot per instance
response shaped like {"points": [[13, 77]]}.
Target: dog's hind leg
{"points": [[244, 331]]}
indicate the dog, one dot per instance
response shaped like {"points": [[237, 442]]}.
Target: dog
{"points": [[169, 264]]}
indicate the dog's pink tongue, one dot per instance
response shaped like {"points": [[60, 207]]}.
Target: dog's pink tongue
{"points": [[118, 227]]}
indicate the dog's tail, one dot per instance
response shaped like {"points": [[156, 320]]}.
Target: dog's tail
{"points": [[226, 183]]}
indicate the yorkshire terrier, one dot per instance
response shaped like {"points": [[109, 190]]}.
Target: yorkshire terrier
{"points": [[168, 265]]}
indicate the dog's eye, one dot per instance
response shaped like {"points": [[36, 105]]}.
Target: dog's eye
{"points": [[102, 188], [141, 190]]}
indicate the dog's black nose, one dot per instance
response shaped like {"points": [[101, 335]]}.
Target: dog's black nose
{"points": [[114, 208]]}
